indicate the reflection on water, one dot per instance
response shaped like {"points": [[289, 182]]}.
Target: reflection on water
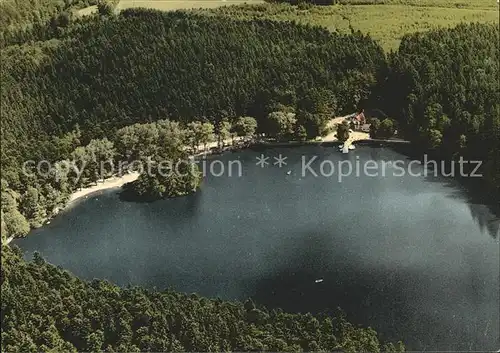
{"points": [[411, 257], [488, 223]]}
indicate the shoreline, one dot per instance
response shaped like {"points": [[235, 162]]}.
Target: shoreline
{"points": [[106, 184], [118, 182], [110, 183]]}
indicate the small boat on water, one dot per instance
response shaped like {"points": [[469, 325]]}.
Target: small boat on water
{"points": [[289, 172], [318, 280], [352, 147], [345, 149], [341, 146]]}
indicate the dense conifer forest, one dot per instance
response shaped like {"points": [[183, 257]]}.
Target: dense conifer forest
{"points": [[443, 88]]}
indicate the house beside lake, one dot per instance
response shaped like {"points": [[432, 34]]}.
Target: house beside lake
{"points": [[359, 121]]}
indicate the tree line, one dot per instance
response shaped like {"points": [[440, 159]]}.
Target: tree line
{"points": [[442, 87], [302, 3]]}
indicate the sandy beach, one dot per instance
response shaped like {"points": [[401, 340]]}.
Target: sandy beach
{"points": [[114, 182]]}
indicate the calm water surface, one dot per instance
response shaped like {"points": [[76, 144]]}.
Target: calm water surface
{"points": [[409, 256]]}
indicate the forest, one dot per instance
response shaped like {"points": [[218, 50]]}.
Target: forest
{"points": [[144, 83], [443, 89], [387, 21]]}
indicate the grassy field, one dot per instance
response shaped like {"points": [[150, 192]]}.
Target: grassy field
{"points": [[386, 23], [86, 11], [181, 4], [438, 3], [385, 20]]}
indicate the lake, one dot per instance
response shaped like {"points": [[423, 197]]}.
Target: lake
{"points": [[409, 256]]}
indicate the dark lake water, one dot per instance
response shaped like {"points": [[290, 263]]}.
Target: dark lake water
{"points": [[409, 256]]}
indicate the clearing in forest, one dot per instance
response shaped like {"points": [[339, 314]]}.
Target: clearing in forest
{"points": [[181, 4], [385, 20]]}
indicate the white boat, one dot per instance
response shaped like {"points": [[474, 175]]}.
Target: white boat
{"points": [[289, 172], [352, 147], [345, 149], [318, 280], [341, 146]]}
